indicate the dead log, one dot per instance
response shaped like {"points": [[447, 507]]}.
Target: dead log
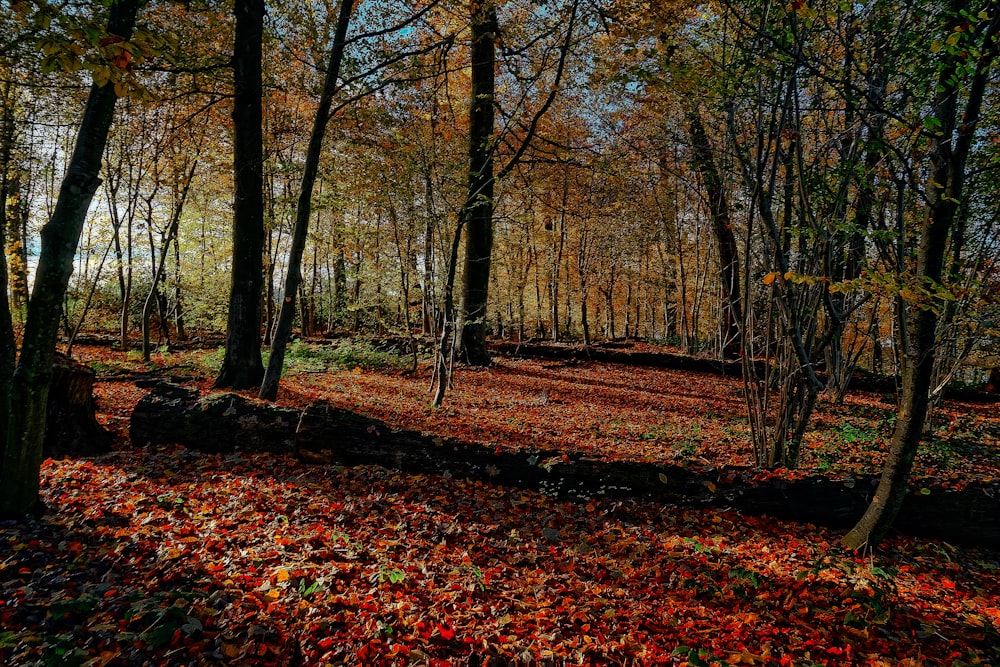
{"points": [[331, 435], [216, 423], [327, 434], [71, 426]]}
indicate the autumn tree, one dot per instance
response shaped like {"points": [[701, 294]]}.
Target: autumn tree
{"points": [[475, 219], [29, 383], [242, 366], [269, 385], [477, 212], [966, 47], [705, 163]]}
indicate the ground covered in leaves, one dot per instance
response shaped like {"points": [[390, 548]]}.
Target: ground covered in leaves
{"points": [[170, 557]]}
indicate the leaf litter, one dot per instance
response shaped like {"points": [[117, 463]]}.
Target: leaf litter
{"points": [[171, 557]]}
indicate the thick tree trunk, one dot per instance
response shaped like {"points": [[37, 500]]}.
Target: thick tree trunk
{"points": [[478, 208], [293, 278], [19, 477], [243, 367], [73, 429]]}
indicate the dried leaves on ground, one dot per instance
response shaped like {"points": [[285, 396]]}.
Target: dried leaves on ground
{"points": [[170, 557]]}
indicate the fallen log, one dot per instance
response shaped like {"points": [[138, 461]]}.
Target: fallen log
{"points": [[216, 423], [327, 434], [612, 355]]}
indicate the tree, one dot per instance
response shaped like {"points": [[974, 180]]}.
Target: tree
{"points": [[243, 367], [968, 46], [293, 277], [704, 162], [29, 382], [476, 215], [477, 212]]}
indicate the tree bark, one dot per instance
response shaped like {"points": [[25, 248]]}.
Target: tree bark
{"points": [[477, 212], [725, 238], [73, 429], [8, 344], [243, 367], [949, 151], [20, 474], [293, 277]]}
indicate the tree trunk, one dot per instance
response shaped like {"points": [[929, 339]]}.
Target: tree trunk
{"points": [[729, 265], [8, 345], [427, 310], [478, 207], [243, 367], [293, 277], [154, 297], [178, 300], [949, 153], [20, 474]]}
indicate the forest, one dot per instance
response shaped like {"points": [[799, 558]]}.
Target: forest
{"points": [[499, 332]]}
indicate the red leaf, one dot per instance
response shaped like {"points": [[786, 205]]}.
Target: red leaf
{"points": [[447, 632]]}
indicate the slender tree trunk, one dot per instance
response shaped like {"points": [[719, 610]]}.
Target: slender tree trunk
{"points": [[427, 296], [242, 367], [178, 293], [92, 289], [269, 306], [154, 296], [560, 242], [949, 153], [123, 269], [286, 312], [729, 264], [22, 460], [446, 344], [478, 207], [15, 242], [8, 345]]}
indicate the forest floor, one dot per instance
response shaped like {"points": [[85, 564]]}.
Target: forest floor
{"points": [[171, 557]]}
